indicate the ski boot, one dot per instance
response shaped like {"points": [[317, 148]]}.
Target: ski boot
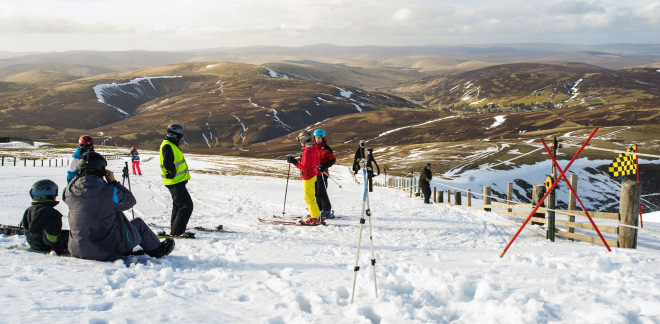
{"points": [[311, 221], [166, 247]]}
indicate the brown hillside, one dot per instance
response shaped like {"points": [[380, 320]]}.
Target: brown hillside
{"points": [[500, 85], [40, 76]]}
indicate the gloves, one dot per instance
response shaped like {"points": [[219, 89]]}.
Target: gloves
{"points": [[291, 159]]}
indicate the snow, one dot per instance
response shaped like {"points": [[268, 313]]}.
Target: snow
{"points": [[244, 128], [435, 264], [574, 90], [400, 128], [358, 107], [657, 71], [273, 74], [277, 119], [101, 90], [210, 65], [344, 93], [499, 120]]}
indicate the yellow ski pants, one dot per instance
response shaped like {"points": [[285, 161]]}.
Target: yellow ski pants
{"points": [[309, 189]]}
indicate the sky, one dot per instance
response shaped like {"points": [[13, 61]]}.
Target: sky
{"points": [[61, 25]]}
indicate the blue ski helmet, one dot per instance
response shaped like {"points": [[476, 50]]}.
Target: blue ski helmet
{"points": [[319, 132]]}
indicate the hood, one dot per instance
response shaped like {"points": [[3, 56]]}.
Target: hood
{"points": [[88, 186]]}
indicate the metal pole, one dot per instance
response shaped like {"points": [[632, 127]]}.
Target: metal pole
{"points": [[286, 190], [641, 223]]}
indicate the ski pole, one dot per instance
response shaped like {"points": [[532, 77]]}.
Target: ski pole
{"points": [[126, 177], [333, 180], [287, 189]]}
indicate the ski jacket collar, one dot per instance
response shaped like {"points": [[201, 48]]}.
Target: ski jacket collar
{"points": [[321, 145], [46, 203], [173, 141], [87, 186]]}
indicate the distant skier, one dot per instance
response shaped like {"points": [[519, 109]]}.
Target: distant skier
{"points": [[308, 165], [175, 176], [41, 222], [99, 229], [425, 182], [85, 144], [326, 160], [135, 157], [370, 169]]}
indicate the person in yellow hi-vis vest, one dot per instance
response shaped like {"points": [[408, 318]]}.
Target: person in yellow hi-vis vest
{"points": [[175, 175]]}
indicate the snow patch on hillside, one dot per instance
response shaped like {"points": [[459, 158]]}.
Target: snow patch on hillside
{"points": [[277, 119], [499, 120], [273, 74], [411, 126], [574, 90], [139, 85]]}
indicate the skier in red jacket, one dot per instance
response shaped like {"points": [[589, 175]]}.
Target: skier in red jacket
{"points": [[326, 160], [308, 165]]}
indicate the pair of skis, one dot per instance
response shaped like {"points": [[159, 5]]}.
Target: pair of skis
{"points": [[190, 235]]}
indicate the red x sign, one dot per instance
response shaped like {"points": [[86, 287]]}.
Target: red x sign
{"points": [[551, 188]]}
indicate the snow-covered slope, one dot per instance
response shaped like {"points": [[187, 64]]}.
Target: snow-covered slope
{"points": [[435, 264]]}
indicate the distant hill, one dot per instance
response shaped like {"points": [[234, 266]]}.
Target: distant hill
{"points": [[39, 76], [221, 105], [501, 85]]}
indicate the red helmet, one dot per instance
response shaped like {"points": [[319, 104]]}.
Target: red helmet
{"points": [[133, 147], [85, 140]]}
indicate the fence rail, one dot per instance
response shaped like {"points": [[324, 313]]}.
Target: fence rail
{"points": [[407, 184]]}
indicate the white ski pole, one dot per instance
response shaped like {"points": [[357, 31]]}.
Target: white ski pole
{"points": [[333, 180]]}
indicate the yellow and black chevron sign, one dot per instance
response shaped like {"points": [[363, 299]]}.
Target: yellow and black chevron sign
{"points": [[624, 164]]}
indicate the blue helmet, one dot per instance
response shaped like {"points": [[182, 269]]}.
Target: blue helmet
{"points": [[319, 132]]}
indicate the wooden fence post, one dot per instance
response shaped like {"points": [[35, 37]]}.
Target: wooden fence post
{"points": [[457, 197], [469, 197], [571, 203], [49, 163], [42, 162], [435, 196], [449, 196], [486, 197], [34, 163], [629, 213], [3, 160], [509, 195], [14, 161], [440, 196], [537, 193], [25, 162], [67, 162], [55, 162]]}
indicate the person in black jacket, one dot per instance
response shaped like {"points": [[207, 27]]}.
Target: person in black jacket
{"points": [[41, 222], [175, 176], [425, 182]]}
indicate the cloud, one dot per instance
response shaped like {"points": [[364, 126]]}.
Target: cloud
{"points": [[214, 23], [573, 7], [402, 15]]}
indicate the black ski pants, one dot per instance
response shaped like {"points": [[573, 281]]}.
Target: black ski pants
{"points": [[182, 207], [426, 190], [322, 193]]}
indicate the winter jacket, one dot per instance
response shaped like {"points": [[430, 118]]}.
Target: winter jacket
{"points": [[135, 156], [326, 156], [75, 160], [99, 229], [168, 158], [309, 162], [43, 226], [357, 159], [425, 177]]}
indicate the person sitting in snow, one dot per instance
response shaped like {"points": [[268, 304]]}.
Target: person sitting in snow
{"points": [[41, 222], [309, 161], [99, 229], [85, 144]]}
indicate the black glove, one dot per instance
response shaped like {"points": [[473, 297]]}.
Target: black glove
{"points": [[291, 159]]}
